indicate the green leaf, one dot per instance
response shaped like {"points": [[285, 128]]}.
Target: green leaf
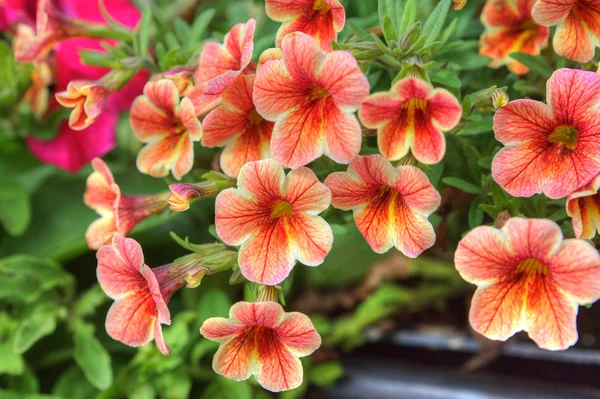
{"points": [[200, 26], [91, 356], [182, 30], [389, 30], [409, 16], [213, 303], [358, 31], [445, 77], [174, 385], [462, 185], [559, 215], [15, 206], [326, 374], [11, 363], [475, 213], [435, 22], [73, 385], [38, 323], [90, 300], [537, 64], [483, 125], [144, 27], [234, 389]]}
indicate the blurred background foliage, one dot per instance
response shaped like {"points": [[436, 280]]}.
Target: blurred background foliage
{"points": [[52, 337]]}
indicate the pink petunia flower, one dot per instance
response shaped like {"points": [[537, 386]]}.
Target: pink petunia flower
{"points": [[119, 213], [237, 126], [550, 148], [141, 294], [274, 218], [169, 126], [412, 115], [510, 28], [311, 96], [583, 206], [578, 26], [220, 64], [390, 205], [321, 19], [528, 279], [261, 339]]}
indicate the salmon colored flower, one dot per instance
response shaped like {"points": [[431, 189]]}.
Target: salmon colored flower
{"points": [[583, 206], [390, 205], [412, 115], [141, 294], [119, 213], [52, 26], [274, 219], [578, 26], [169, 126], [220, 64], [237, 126], [529, 279], [87, 98], [182, 77], [321, 19], [550, 148], [510, 28], [261, 339], [311, 96]]}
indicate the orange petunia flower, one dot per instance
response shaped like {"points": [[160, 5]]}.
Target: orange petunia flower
{"points": [[529, 279], [390, 205], [583, 206], [119, 213], [261, 339], [220, 64], [412, 115], [274, 219], [237, 126], [510, 28], [578, 30], [321, 19], [141, 294], [311, 96], [169, 126], [87, 98], [550, 148]]}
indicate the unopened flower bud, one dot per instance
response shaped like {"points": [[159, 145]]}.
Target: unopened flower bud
{"points": [[499, 98]]}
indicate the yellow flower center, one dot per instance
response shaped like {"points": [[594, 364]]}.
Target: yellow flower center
{"points": [[317, 92], [564, 135], [281, 208], [255, 118], [532, 266], [321, 6], [415, 104]]}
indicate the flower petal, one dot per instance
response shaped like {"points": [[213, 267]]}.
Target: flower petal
{"points": [[275, 91], [572, 40], [100, 231], [98, 192], [573, 95], [220, 329], [311, 238], [550, 12], [533, 238], [583, 206], [264, 180], [297, 333], [523, 121], [306, 193], [131, 319], [278, 369], [416, 190], [575, 269], [267, 314], [412, 232], [118, 267], [164, 153], [237, 216], [341, 76], [344, 135], [374, 221], [235, 359], [484, 256]]}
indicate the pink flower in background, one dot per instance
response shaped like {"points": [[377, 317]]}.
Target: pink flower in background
{"points": [[321, 19], [141, 294], [14, 12], [261, 339]]}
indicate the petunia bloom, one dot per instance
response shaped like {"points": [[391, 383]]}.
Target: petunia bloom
{"points": [[550, 148], [529, 279], [578, 30], [583, 206], [412, 115], [261, 339], [321, 19], [141, 294], [237, 126], [119, 213], [169, 126], [87, 98], [510, 28], [182, 77], [273, 217], [220, 64], [183, 193], [311, 96], [390, 205]]}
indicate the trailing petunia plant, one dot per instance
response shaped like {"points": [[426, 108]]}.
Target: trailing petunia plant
{"points": [[348, 136]]}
